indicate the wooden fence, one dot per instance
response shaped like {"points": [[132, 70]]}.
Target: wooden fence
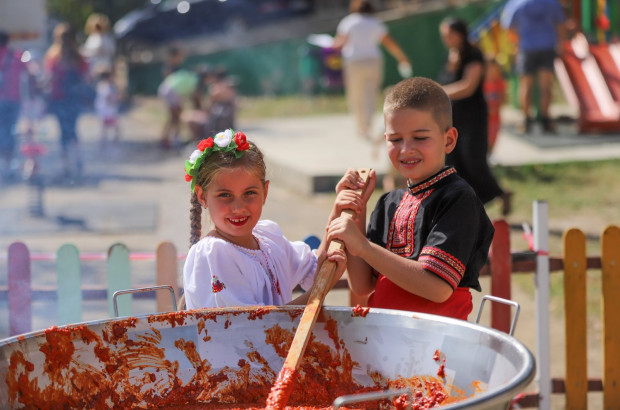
{"points": [[70, 293], [574, 263]]}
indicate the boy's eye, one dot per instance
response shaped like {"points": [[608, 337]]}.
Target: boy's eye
{"points": [[421, 138], [251, 192]]}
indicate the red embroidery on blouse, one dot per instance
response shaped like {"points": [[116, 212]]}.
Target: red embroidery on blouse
{"points": [[216, 285], [401, 237], [442, 264]]}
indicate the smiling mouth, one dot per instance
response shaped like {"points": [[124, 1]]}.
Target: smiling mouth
{"points": [[410, 162], [238, 221]]}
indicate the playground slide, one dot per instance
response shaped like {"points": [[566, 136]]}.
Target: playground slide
{"points": [[589, 78]]}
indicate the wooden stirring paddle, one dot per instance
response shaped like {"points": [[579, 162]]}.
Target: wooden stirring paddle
{"points": [[281, 390]]}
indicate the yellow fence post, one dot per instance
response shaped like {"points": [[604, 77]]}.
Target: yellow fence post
{"points": [[610, 263], [575, 265]]}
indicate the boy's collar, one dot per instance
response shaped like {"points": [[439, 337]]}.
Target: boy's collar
{"points": [[430, 181]]}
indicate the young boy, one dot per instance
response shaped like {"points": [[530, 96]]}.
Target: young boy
{"points": [[425, 245]]}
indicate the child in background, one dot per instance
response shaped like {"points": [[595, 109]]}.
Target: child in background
{"points": [[424, 245], [106, 105], [494, 88], [243, 260]]}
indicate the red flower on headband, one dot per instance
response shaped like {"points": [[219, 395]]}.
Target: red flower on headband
{"points": [[188, 177], [206, 143], [241, 141]]}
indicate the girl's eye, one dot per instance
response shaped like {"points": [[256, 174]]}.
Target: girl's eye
{"points": [[394, 140], [223, 195], [251, 193]]}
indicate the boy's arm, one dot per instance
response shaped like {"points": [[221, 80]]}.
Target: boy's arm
{"points": [[406, 273]]}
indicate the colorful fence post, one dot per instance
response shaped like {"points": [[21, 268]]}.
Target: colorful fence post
{"points": [[575, 267], [69, 279], [119, 278], [166, 262], [501, 268], [542, 283], [610, 263], [19, 291]]}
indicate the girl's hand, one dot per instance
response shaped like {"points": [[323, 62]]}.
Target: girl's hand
{"points": [[339, 257], [345, 229]]}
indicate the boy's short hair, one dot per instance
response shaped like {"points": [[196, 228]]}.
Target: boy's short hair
{"points": [[420, 93]]}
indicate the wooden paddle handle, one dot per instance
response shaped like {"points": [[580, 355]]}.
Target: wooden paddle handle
{"points": [[284, 383]]}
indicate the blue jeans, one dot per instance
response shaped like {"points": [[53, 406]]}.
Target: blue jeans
{"points": [[67, 111], [9, 114]]}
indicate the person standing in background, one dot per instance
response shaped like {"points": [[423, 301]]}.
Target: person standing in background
{"points": [[494, 88], [359, 35], [99, 48], [462, 77], [67, 78], [12, 77], [539, 24]]}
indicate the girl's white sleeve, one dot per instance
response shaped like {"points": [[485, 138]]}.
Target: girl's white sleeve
{"points": [[297, 262], [215, 275]]}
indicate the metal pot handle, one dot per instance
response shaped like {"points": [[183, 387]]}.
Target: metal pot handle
{"points": [[504, 301], [356, 398], [147, 289]]}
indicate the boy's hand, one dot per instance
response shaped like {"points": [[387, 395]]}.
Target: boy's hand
{"points": [[353, 181], [349, 199], [345, 229]]}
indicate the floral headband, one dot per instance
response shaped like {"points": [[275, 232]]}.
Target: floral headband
{"points": [[226, 141]]}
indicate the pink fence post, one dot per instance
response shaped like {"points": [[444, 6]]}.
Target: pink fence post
{"points": [[19, 294]]}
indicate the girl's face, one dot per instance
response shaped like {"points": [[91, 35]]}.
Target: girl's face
{"points": [[235, 200]]}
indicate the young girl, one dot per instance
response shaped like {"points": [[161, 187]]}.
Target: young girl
{"points": [[243, 260], [106, 105]]}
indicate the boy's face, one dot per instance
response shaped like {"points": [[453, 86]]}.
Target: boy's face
{"points": [[416, 144]]}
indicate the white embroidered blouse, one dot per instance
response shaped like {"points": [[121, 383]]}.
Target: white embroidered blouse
{"points": [[218, 273]]}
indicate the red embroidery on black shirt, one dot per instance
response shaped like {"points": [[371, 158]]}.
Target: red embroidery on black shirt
{"points": [[401, 239]]}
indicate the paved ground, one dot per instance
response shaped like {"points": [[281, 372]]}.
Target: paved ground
{"points": [[135, 193]]}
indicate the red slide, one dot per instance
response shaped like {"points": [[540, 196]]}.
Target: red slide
{"points": [[590, 78]]}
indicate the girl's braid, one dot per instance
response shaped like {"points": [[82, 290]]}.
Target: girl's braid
{"points": [[195, 220]]}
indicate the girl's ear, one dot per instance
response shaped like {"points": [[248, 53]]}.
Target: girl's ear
{"points": [[200, 195], [451, 136], [266, 190]]}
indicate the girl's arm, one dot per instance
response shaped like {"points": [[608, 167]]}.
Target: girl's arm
{"points": [[337, 257]]}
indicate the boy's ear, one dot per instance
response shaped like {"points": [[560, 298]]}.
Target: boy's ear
{"points": [[452, 135]]}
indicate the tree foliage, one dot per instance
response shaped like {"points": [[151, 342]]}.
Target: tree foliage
{"points": [[76, 12]]}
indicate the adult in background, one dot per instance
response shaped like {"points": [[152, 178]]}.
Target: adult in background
{"points": [[359, 35], [67, 78], [539, 25], [12, 72], [462, 79], [99, 48]]}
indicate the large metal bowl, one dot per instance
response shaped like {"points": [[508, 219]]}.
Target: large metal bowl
{"points": [[230, 358]]}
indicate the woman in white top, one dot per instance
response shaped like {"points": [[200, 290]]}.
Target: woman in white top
{"points": [[359, 35], [243, 260], [99, 49]]}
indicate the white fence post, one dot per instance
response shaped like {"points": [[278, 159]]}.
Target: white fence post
{"points": [[543, 348]]}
